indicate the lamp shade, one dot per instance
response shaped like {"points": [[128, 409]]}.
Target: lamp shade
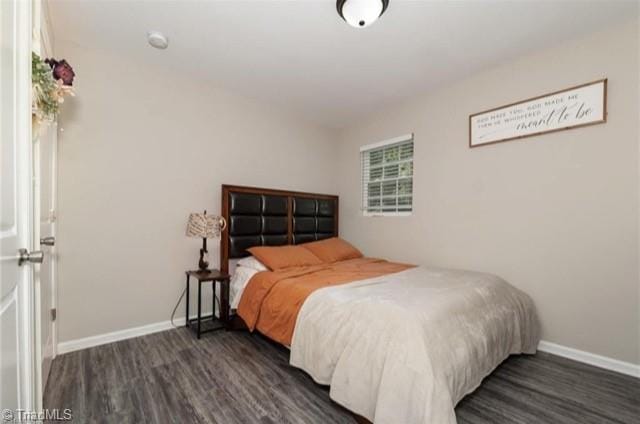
{"points": [[205, 226]]}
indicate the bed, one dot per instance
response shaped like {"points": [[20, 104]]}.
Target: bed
{"points": [[396, 343]]}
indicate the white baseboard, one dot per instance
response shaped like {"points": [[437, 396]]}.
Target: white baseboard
{"points": [[591, 358], [544, 346], [87, 342]]}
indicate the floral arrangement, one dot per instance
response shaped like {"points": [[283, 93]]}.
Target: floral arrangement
{"points": [[52, 80]]}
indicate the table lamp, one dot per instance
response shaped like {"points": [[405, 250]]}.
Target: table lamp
{"points": [[205, 226]]}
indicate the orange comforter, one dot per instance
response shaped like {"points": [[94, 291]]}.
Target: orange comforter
{"points": [[271, 301]]}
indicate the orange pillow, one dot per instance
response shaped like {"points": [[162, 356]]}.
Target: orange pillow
{"points": [[332, 250], [279, 257]]}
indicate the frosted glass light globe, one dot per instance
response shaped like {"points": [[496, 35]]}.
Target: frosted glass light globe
{"points": [[361, 13]]}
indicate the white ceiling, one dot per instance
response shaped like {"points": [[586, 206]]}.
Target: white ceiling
{"points": [[299, 55]]}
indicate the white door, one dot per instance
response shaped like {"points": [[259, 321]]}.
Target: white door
{"points": [[44, 155], [45, 148], [17, 312]]}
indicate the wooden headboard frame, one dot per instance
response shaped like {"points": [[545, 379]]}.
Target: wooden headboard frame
{"points": [[227, 190]]}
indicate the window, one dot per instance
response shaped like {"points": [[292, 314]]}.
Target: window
{"points": [[387, 177]]}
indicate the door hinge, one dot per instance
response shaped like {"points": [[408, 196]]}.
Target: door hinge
{"points": [[54, 314]]}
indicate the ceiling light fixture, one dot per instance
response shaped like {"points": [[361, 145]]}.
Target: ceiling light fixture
{"points": [[158, 40], [361, 13]]}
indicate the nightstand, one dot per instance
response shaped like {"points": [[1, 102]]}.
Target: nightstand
{"points": [[201, 325]]}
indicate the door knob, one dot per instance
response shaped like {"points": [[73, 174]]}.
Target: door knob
{"points": [[35, 257], [48, 241]]}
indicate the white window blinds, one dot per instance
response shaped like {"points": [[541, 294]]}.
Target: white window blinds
{"points": [[387, 177]]}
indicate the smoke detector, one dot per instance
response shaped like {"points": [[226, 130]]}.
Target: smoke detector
{"points": [[157, 39]]}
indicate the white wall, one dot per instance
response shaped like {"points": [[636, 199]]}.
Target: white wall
{"points": [[142, 148], [556, 215]]}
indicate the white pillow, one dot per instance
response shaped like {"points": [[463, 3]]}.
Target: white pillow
{"points": [[253, 263]]}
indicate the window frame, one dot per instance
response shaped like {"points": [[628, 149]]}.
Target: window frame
{"points": [[372, 146]]}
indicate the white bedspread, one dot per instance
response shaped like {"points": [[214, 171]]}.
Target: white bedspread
{"points": [[407, 347]]}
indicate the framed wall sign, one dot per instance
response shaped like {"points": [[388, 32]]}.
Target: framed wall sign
{"points": [[573, 107]]}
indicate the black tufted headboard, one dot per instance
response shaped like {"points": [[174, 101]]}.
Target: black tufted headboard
{"points": [[267, 217], [313, 219]]}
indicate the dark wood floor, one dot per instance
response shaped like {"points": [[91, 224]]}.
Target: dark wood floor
{"points": [[235, 377]]}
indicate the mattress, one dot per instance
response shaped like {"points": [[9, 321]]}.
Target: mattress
{"points": [[395, 343]]}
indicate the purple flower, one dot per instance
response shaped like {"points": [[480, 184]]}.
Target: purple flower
{"points": [[61, 70]]}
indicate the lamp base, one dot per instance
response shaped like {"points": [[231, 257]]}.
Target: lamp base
{"points": [[203, 264]]}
